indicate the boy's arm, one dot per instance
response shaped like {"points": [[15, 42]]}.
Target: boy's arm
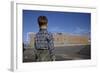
{"points": [[51, 45], [34, 42], [35, 47]]}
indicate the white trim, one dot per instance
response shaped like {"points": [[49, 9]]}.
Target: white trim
{"points": [[17, 63], [13, 37]]}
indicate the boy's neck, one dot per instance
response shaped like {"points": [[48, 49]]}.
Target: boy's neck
{"points": [[43, 28]]}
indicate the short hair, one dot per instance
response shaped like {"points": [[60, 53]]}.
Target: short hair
{"points": [[42, 20]]}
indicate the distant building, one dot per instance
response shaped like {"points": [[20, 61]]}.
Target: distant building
{"points": [[67, 39], [61, 39], [31, 36]]}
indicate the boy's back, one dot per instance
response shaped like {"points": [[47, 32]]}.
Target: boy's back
{"points": [[44, 42]]}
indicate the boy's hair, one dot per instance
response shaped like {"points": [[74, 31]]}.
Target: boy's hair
{"points": [[42, 20]]}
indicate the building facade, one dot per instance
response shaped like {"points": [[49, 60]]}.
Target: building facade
{"points": [[62, 39]]}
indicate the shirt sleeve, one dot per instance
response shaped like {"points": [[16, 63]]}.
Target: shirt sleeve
{"points": [[35, 45], [50, 40]]}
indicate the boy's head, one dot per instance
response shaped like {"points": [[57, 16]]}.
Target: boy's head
{"points": [[42, 21]]}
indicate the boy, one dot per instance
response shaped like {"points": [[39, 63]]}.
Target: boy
{"points": [[44, 42]]}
